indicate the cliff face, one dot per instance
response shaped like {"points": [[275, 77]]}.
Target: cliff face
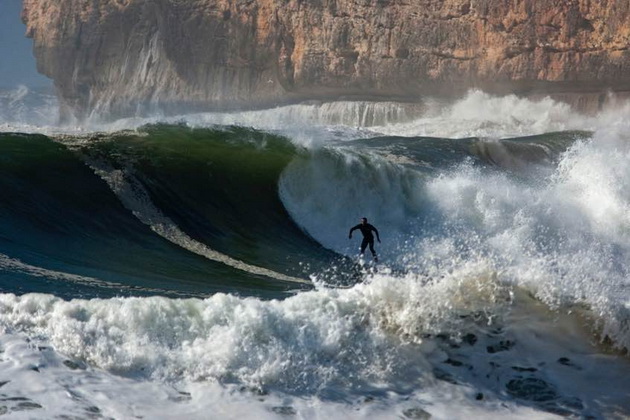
{"points": [[124, 56]]}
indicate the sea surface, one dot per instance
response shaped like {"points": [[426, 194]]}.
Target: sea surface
{"points": [[198, 266]]}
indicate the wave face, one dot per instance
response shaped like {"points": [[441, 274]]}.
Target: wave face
{"points": [[60, 215], [197, 267]]}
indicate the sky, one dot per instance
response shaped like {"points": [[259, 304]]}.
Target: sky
{"points": [[17, 64]]}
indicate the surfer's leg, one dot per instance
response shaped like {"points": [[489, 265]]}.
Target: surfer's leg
{"points": [[372, 250], [364, 244]]}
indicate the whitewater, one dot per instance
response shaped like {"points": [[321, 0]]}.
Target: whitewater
{"points": [[199, 265]]}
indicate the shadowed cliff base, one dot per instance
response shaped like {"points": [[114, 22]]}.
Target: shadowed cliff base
{"points": [[129, 57]]}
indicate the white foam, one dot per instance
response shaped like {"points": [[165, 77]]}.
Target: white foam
{"points": [[479, 114], [306, 342], [476, 114], [55, 390], [565, 238], [283, 344], [318, 353]]}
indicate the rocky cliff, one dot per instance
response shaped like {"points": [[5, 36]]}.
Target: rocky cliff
{"points": [[121, 57]]}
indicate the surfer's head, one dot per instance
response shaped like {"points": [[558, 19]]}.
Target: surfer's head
{"points": [[364, 220]]}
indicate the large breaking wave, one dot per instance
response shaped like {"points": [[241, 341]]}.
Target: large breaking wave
{"points": [[504, 259]]}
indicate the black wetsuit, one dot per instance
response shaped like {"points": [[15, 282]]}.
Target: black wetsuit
{"points": [[368, 238]]}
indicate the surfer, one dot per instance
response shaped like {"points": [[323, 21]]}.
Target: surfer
{"points": [[368, 239]]}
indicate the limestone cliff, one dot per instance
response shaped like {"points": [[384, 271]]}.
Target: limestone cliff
{"points": [[125, 56]]}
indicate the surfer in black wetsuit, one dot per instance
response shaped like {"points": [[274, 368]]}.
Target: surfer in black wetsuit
{"points": [[368, 239]]}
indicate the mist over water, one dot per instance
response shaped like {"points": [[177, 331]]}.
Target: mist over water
{"points": [[28, 109]]}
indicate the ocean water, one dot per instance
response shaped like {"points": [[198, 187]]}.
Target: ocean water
{"points": [[198, 266]]}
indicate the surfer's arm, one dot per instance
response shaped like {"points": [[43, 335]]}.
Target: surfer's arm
{"points": [[352, 230], [376, 231]]}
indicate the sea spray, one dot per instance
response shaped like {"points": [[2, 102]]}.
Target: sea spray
{"points": [[479, 114], [305, 343], [23, 106], [561, 237]]}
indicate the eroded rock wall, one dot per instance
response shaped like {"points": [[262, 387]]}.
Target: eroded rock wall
{"points": [[120, 57]]}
